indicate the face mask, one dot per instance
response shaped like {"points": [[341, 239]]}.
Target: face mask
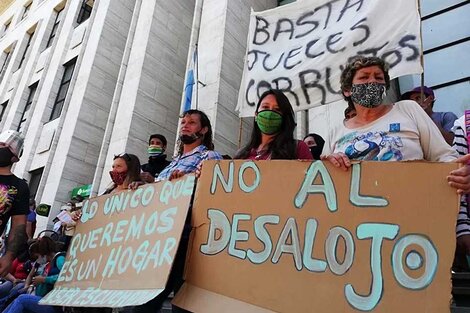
{"points": [[269, 122], [155, 151], [5, 157], [189, 139], [316, 152], [369, 95], [118, 178], [41, 260]]}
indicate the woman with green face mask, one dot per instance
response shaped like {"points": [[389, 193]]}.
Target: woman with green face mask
{"points": [[273, 131]]}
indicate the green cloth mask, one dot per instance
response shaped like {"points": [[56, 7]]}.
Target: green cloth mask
{"points": [[154, 151], [269, 122]]}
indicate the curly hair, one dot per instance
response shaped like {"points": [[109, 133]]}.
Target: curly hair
{"points": [[356, 63]]}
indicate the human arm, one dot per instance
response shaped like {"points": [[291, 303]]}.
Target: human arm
{"points": [[448, 121], [53, 278], [31, 274], [29, 229], [433, 145], [17, 240]]}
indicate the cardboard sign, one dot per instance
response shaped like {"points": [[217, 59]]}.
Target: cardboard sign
{"points": [[123, 249], [301, 48], [292, 236]]}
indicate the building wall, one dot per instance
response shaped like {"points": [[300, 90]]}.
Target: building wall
{"points": [[221, 49], [446, 44], [4, 4], [130, 61]]}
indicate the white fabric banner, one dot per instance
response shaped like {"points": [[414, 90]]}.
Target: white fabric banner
{"points": [[302, 47]]}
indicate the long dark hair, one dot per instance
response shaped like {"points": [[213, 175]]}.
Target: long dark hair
{"points": [[133, 166], [283, 146], [205, 122]]}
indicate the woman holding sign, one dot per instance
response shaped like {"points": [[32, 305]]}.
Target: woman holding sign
{"points": [[273, 131], [387, 132]]}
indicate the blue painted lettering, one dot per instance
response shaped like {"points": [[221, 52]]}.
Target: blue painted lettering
{"points": [[241, 181], [331, 245], [362, 201], [217, 175], [218, 222], [378, 232], [263, 235], [327, 188], [167, 220], [238, 236], [430, 255], [310, 263], [290, 229]]}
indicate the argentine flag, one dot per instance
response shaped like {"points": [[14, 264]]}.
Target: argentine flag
{"points": [[191, 81]]}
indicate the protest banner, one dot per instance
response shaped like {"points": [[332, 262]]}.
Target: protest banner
{"points": [[293, 236], [301, 48], [124, 246]]}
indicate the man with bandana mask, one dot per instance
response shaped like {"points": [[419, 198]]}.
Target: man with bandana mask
{"points": [[157, 158], [14, 198]]}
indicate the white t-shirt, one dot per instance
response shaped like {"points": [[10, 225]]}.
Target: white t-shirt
{"points": [[405, 133]]}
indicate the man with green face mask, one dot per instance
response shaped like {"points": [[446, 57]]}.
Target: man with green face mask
{"points": [[157, 159]]}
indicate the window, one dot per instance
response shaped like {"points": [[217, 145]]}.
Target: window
{"points": [[25, 50], [6, 60], [26, 10], [34, 181], [6, 26], [64, 86], [282, 2], [85, 11], [3, 107], [58, 18], [24, 115]]}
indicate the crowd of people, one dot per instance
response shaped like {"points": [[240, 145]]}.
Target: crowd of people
{"points": [[372, 130]]}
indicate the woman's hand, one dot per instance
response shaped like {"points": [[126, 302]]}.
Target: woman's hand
{"points": [[199, 169], [460, 178], [136, 184], [176, 174], [339, 159], [37, 280]]}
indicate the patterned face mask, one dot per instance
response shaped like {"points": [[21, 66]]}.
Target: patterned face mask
{"points": [[369, 95], [269, 122], [118, 178]]}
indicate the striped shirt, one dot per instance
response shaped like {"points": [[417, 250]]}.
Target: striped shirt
{"points": [[461, 146]]}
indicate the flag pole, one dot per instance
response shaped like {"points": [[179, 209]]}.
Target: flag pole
{"points": [[422, 52], [240, 129]]}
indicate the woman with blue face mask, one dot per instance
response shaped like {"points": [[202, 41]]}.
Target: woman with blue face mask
{"points": [[273, 131], [385, 131]]}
